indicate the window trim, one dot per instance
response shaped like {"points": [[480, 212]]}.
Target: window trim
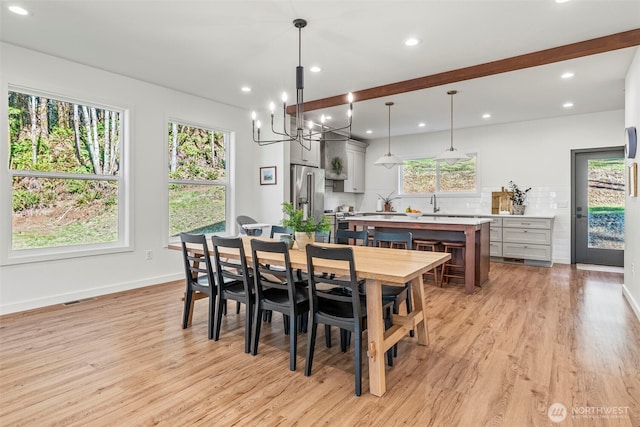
{"points": [[10, 256], [448, 194], [226, 183]]}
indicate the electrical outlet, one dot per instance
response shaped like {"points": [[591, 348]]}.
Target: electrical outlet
{"points": [[633, 270], [149, 254]]}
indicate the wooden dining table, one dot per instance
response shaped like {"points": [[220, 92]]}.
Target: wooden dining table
{"points": [[378, 266]]}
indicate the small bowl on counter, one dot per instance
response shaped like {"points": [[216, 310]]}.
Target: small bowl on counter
{"points": [[414, 215]]}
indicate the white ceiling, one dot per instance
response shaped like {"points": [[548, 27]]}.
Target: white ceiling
{"points": [[212, 48]]}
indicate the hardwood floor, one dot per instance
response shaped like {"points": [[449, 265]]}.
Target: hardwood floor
{"points": [[531, 337]]}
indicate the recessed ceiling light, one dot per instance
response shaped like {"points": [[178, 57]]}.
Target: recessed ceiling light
{"points": [[369, 131], [567, 75], [567, 104], [422, 124], [245, 89], [562, 1], [486, 116], [315, 69], [18, 10], [328, 117], [412, 41]]}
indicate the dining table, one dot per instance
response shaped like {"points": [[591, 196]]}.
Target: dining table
{"points": [[378, 266]]}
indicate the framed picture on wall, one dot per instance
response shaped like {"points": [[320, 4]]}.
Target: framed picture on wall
{"points": [[268, 175]]}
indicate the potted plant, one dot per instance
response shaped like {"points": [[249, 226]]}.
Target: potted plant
{"points": [[387, 201], [304, 228], [518, 197]]}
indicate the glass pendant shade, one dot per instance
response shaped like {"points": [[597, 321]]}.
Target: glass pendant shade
{"points": [[451, 155], [389, 160]]}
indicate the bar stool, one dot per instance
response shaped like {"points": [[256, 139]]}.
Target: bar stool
{"points": [[450, 269], [428, 245]]}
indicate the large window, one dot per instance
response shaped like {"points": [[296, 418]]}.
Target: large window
{"points": [[426, 175], [66, 181], [197, 179]]}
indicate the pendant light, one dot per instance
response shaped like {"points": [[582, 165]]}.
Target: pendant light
{"points": [[451, 155], [389, 160]]}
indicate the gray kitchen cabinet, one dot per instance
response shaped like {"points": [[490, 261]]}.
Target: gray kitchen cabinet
{"points": [[354, 183], [301, 156], [527, 239]]}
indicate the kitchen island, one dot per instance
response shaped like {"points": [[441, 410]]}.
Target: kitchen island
{"points": [[474, 232]]}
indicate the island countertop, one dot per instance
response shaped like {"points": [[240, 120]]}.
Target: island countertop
{"points": [[425, 219]]}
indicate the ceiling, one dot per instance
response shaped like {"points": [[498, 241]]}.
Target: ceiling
{"points": [[213, 48]]}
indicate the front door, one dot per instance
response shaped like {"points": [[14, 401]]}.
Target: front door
{"points": [[598, 206]]}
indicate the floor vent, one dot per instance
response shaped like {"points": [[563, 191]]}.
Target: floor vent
{"points": [[78, 301]]}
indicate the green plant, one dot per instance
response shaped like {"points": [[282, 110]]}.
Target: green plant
{"points": [[336, 165], [387, 200], [298, 223], [519, 196]]}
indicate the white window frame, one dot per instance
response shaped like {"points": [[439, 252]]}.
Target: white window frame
{"points": [[451, 194], [229, 140], [9, 256]]}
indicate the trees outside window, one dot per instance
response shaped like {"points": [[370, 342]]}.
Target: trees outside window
{"points": [[426, 175], [197, 179], [66, 180]]}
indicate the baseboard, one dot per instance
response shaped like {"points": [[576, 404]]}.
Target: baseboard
{"points": [[632, 302], [84, 294]]}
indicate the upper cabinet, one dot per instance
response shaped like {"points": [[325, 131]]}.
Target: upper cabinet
{"points": [[355, 159], [302, 156]]}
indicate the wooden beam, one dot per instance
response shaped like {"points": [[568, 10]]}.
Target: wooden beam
{"points": [[542, 57]]}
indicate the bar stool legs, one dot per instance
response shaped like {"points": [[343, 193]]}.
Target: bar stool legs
{"points": [[428, 245], [454, 268]]}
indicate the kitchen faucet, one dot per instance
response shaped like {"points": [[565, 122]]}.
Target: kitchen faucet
{"points": [[434, 202]]}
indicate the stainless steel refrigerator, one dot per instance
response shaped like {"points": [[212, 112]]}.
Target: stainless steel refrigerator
{"points": [[307, 190]]}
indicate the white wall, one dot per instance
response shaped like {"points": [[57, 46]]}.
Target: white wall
{"points": [[33, 285], [631, 287], [533, 154]]}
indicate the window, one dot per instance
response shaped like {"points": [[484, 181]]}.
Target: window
{"points": [[66, 179], [197, 179], [426, 175]]}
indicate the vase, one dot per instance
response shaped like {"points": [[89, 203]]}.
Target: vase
{"points": [[303, 239], [387, 207], [518, 209]]}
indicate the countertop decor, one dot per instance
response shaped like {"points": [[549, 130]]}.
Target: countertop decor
{"points": [[387, 201], [518, 198], [304, 228]]}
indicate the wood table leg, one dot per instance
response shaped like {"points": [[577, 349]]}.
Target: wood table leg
{"points": [[418, 306], [375, 333]]}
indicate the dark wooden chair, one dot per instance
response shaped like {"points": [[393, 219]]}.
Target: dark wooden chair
{"points": [[199, 278], [278, 229], [234, 283], [395, 294], [344, 237], [277, 290], [338, 303]]}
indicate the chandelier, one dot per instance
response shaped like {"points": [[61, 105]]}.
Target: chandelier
{"points": [[313, 131], [451, 155]]}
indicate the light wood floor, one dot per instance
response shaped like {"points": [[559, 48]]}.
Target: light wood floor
{"points": [[530, 338]]}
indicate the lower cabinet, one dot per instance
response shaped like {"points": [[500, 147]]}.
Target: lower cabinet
{"points": [[521, 239]]}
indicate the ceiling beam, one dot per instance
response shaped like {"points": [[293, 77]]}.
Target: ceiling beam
{"points": [[542, 57]]}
